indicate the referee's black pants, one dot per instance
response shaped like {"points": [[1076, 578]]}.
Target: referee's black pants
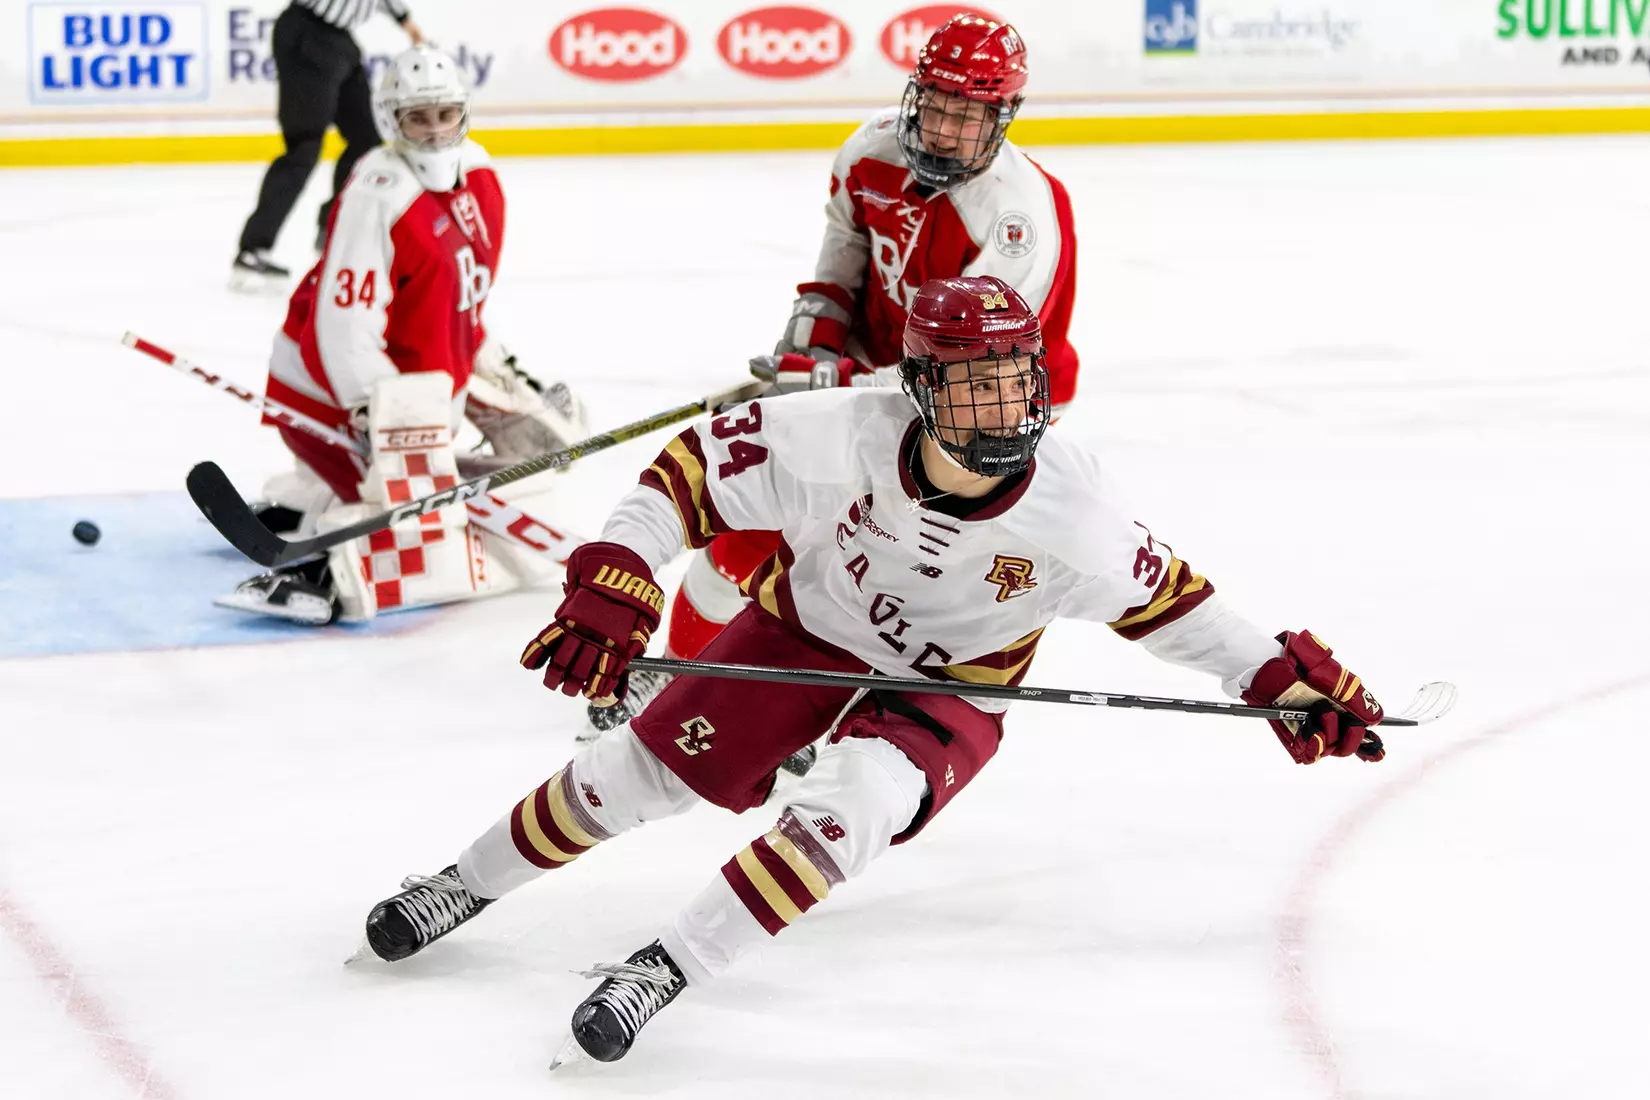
{"points": [[320, 81]]}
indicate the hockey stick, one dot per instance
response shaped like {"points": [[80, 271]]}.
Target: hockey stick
{"points": [[1431, 702], [490, 513], [225, 509]]}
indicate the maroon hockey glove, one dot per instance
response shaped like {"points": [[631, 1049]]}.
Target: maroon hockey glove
{"points": [[1306, 676], [610, 611], [793, 373]]}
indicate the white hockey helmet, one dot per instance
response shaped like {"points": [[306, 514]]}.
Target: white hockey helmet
{"points": [[424, 77]]}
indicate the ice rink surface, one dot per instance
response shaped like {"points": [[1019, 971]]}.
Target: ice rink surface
{"points": [[1395, 393]]}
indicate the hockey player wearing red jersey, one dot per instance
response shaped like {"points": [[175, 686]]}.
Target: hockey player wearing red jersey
{"points": [[926, 190], [930, 533], [385, 340]]}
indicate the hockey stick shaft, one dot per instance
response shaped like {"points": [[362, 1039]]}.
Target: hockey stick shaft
{"points": [[489, 512], [871, 682], [215, 495], [292, 418]]}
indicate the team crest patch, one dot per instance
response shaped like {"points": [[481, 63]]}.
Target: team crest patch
{"points": [[1012, 576], [1014, 234], [697, 738]]}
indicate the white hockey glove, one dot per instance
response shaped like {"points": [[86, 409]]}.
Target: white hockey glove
{"points": [[820, 319], [515, 413]]}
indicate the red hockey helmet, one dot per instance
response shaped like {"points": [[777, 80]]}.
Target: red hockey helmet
{"points": [[960, 99], [974, 368]]}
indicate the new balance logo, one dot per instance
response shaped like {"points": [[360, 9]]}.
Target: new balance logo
{"points": [[590, 795], [950, 776], [829, 829]]}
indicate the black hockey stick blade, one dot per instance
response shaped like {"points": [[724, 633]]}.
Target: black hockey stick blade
{"points": [[1431, 702], [228, 511], [215, 495]]}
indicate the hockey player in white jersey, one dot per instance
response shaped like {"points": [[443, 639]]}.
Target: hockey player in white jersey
{"points": [[930, 533]]}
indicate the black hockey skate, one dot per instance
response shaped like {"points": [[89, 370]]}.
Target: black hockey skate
{"points": [[302, 592], [607, 1022], [254, 270], [278, 518], [428, 907], [644, 688], [801, 762]]}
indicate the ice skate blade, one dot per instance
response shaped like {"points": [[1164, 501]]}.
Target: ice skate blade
{"points": [[570, 1054], [304, 609], [254, 284]]}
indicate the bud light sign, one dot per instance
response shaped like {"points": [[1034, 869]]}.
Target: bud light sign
{"points": [[1171, 27], [117, 53]]}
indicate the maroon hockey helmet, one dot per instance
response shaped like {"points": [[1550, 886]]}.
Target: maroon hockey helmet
{"points": [[962, 95], [989, 418]]}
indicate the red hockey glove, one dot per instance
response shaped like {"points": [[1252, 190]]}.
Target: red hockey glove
{"points": [[793, 373], [1307, 676], [820, 319], [610, 611]]}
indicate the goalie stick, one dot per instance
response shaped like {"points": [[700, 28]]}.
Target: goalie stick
{"points": [[1432, 701], [490, 513], [215, 495]]}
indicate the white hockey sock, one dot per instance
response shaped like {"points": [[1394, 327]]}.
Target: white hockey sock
{"points": [[613, 785], [861, 794]]}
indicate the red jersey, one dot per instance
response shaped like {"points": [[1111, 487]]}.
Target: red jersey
{"points": [[399, 288], [884, 238]]}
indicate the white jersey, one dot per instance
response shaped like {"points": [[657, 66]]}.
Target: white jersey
{"points": [[869, 566]]}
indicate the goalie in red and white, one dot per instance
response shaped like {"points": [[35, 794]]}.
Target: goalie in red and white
{"points": [[925, 190], [384, 340], [932, 533]]}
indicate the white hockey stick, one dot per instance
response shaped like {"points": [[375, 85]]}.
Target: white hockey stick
{"points": [[490, 513]]}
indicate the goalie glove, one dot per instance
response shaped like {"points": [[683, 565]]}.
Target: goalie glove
{"points": [[792, 373], [1306, 676], [515, 413]]}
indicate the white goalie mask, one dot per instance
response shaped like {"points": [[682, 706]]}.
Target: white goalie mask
{"points": [[424, 77]]}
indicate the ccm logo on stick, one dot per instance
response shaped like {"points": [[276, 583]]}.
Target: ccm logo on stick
{"points": [[618, 44], [784, 43]]}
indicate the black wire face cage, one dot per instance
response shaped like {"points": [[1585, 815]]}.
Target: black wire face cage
{"points": [[987, 418], [933, 125]]}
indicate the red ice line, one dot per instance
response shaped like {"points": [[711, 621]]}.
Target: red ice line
{"points": [[125, 1057], [1300, 1010]]}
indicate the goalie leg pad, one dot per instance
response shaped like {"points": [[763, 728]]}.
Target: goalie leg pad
{"points": [[430, 559]]}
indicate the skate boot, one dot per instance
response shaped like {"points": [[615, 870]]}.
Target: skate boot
{"points": [[644, 688], [278, 518], [801, 762], [428, 908], [302, 593], [253, 270], [606, 1023]]}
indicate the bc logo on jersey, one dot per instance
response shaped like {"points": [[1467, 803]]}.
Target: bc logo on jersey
{"points": [[697, 738], [1012, 576]]}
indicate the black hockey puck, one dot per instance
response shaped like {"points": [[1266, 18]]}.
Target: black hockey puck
{"points": [[86, 533]]}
